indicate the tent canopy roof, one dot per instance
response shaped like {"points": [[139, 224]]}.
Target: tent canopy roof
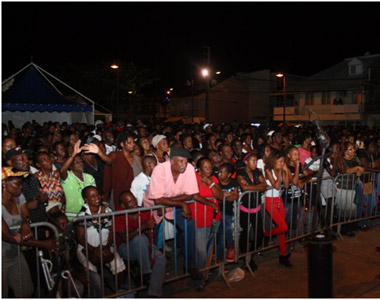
{"points": [[29, 90]]}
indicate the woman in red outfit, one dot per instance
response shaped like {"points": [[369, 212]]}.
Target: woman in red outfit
{"points": [[278, 177], [203, 210]]}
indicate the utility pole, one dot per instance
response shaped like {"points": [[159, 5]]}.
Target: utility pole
{"points": [[207, 116]]}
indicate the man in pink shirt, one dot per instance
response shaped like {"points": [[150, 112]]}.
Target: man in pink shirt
{"points": [[172, 183]]}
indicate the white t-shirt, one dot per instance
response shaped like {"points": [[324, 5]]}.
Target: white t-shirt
{"points": [[110, 149], [138, 187], [261, 165]]}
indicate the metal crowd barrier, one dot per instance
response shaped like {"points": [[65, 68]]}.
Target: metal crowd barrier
{"points": [[46, 264], [345, 199]]}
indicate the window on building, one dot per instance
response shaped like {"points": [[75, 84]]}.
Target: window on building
{"points": [[326, 98], [309, 99], [352, 70]]}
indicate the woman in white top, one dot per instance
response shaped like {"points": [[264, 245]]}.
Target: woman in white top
{"points": [[277, 177], [263, 151]]}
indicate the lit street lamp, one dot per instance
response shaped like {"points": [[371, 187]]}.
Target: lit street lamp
{"points": [[205, 74], [115, 110], [279, 75]]}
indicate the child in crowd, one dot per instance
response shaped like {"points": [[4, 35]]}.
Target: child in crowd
{"points": [[139, 246], [251, 179], [49, 179], [295, 194], [230, 188], [90, 234], [277, 177], [60, 153], [141, 181], [215, 159]]}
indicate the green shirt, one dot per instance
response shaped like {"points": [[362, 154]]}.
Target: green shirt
{"points": [[73, 186]]}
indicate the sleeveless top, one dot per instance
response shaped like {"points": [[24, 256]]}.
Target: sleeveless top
{"points": [[10, 249], [253, 201], [136, 167], [272, 192]]}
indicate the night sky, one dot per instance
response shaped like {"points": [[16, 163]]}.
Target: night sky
{"points": [[169, 37]]}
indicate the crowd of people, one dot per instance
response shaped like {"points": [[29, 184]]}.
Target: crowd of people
{"points": [[59, 172]]}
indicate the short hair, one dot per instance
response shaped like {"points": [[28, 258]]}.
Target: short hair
{"points": [[123, 193], [38, 154], [55, 216], [195, 154], [55, 145], [200, 161], [84, 191], [147, 158], [229, 168]]}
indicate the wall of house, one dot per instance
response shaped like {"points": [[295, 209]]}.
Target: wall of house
{"points": [[259, 87]]}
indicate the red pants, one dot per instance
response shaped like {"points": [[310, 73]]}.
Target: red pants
{"points": [[275, 208]]}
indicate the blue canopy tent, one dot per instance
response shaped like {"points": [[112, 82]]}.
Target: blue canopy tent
{"points": [[31, 95]]}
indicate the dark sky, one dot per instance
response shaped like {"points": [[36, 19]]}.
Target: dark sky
{"points": [[169, 37]]}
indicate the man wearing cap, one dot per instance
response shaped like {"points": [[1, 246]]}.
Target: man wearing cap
{"points": [[207, 128], [172, 183], [36, 200]]}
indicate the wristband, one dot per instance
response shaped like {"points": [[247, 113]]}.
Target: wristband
{"points": [[211, 185]]}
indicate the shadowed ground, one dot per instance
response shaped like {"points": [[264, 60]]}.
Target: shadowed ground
{"points": [[356, 270]]}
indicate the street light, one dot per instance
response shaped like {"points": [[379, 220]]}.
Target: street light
{"points": [[116, 67], [279, 75], [205, 74]]}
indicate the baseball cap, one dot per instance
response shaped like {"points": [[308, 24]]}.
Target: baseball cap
{"points": [[52, 204], [14, 151], [97, 122], [206, 125]]}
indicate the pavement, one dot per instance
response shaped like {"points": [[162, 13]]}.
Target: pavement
{"points": [[356, 273]]}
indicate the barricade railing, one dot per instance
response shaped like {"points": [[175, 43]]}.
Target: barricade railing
{"points": [[356, 198], [46, 264], [202, 240], [209, 244], [345, 199]]}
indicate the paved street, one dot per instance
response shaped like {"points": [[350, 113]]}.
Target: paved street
{"points": [[356, 270]]}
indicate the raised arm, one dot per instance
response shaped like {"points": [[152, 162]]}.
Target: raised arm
{"points": [[67, 163], [93, 148]]}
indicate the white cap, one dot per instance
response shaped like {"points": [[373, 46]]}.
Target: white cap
{"points": [[97, 122], [98, 137], [156, 139], [206, 125], [52, 204], [270, 133]]}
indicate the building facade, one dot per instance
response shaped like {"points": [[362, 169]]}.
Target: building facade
{"points": [[346, 93]]}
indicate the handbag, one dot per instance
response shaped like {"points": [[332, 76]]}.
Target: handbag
{"points": [[367, 188]]}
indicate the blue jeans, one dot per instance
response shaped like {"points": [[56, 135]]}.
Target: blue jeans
{"points": [[157, 276], [363, 200], [189, 230], [227, 224], [204, 247], [96, 284]]}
